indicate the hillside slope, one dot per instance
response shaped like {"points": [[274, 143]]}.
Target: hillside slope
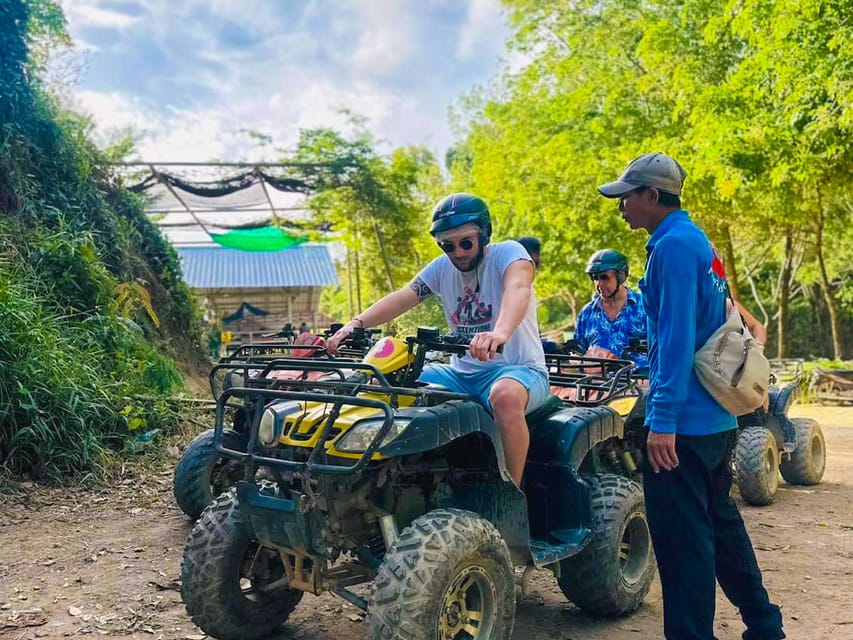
{"points": [[92, 306]]}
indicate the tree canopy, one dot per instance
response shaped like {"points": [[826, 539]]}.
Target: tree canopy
{"points": [[752, 97]]}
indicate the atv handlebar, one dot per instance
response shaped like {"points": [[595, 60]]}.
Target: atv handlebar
{"points": [[430, 338]]}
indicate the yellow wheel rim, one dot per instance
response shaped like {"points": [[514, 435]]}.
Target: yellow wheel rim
{"points": [[468, 606]]}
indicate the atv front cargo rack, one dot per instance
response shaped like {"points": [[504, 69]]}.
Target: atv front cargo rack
{"points": [[337, 393]]}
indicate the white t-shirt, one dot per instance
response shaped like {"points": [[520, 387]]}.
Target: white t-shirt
{"points": [[472, 301]]}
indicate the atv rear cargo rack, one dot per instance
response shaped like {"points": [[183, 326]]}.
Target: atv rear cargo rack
{"points": [[594, 381], [254, 356]]}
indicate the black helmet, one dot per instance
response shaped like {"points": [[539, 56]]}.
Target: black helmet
{"points": [[531, 243], [461, 208], [607, 259]]}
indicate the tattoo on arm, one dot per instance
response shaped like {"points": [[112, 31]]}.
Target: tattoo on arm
{"points": [[421, 289]]}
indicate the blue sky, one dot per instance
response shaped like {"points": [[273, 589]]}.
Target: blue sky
{"points": [[188, 75]]}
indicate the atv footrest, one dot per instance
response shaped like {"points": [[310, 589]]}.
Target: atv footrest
{"points": [[347, 574], [250, 495], [571, 541]]}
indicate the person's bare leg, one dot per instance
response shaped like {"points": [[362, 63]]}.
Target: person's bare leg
{"points": [[509, 400]]}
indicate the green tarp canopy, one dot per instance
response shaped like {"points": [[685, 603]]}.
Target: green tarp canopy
{"points": [[262, 239]]}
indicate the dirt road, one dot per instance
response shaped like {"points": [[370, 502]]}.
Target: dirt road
{"points": [[106, 563]]}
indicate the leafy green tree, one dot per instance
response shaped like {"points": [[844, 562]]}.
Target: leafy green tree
{"points": [[378, 207], [752, 97]]}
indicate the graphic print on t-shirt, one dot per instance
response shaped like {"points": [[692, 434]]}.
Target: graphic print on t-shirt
{"points": [[471, 315]]}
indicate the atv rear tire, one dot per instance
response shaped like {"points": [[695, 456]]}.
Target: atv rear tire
{"points": [[233, 588], [757, 465], [203, 473], [808, 461], [612, 575], [448, 574]]}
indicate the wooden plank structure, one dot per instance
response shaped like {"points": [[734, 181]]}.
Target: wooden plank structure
{"points": [[832, 386], [285, 284]]}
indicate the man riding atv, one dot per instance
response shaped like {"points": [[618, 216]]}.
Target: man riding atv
{"points": [[487, 293]]}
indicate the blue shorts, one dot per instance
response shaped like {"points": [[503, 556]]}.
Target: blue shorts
{"points": [[478, 385]]}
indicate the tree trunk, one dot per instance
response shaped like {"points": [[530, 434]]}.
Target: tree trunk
{"points": [[729, 262], [349, 283], [784, 294], [826, 289], [381, 241], [358, 284]]}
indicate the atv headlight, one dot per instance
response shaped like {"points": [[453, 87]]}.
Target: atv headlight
{"points": [[359, 437], [231, 380], [270, 428], [272, 422]]}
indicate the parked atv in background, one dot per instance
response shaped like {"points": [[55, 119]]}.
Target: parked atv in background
{"points": [[202, 473], [769, 442], [375, 479]]}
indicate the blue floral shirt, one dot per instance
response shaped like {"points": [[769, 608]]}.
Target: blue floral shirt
{"points": [[595, 329]]}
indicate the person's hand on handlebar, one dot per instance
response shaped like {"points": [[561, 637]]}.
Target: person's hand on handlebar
{"points": [[484, 346], [334, 343]]}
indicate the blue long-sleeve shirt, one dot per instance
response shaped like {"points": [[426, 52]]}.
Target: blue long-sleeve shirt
{"points": [[685, 302]]}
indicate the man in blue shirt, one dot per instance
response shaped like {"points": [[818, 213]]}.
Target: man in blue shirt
{"points": [[697, 531], [615, 314]]}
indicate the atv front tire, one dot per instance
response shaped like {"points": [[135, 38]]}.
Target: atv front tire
{"points": [[808, 461], [203, 473], [233, 588], [612, 575], [448, 575], [757, 465]]}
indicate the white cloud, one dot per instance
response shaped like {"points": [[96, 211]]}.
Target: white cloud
{"points": [[386, 39], [90, 13], [111, 111], [301, 66], [159, 135], [483, 24]]}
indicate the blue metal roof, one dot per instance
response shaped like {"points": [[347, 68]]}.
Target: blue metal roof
{"points": [[221, 268]]}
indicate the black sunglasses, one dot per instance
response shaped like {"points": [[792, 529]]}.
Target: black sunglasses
{"points": [[604, 277], [449, 247]]}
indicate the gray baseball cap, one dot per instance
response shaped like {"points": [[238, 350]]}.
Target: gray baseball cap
{"points": [[649, 170]]}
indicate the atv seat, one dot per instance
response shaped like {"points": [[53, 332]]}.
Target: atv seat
{"points": [[538, 415]]}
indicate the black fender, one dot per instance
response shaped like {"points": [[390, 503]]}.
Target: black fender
{"points": [[558, 499], [781, 398], [775, 417], [568, 435], [435, 427]]}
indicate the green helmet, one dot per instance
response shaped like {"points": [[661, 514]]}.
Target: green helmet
{"points": [[461, 208], [608, 259]]}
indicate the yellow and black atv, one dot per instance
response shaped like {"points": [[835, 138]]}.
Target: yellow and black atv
{"points": [[374, 480], [202, 473]]}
